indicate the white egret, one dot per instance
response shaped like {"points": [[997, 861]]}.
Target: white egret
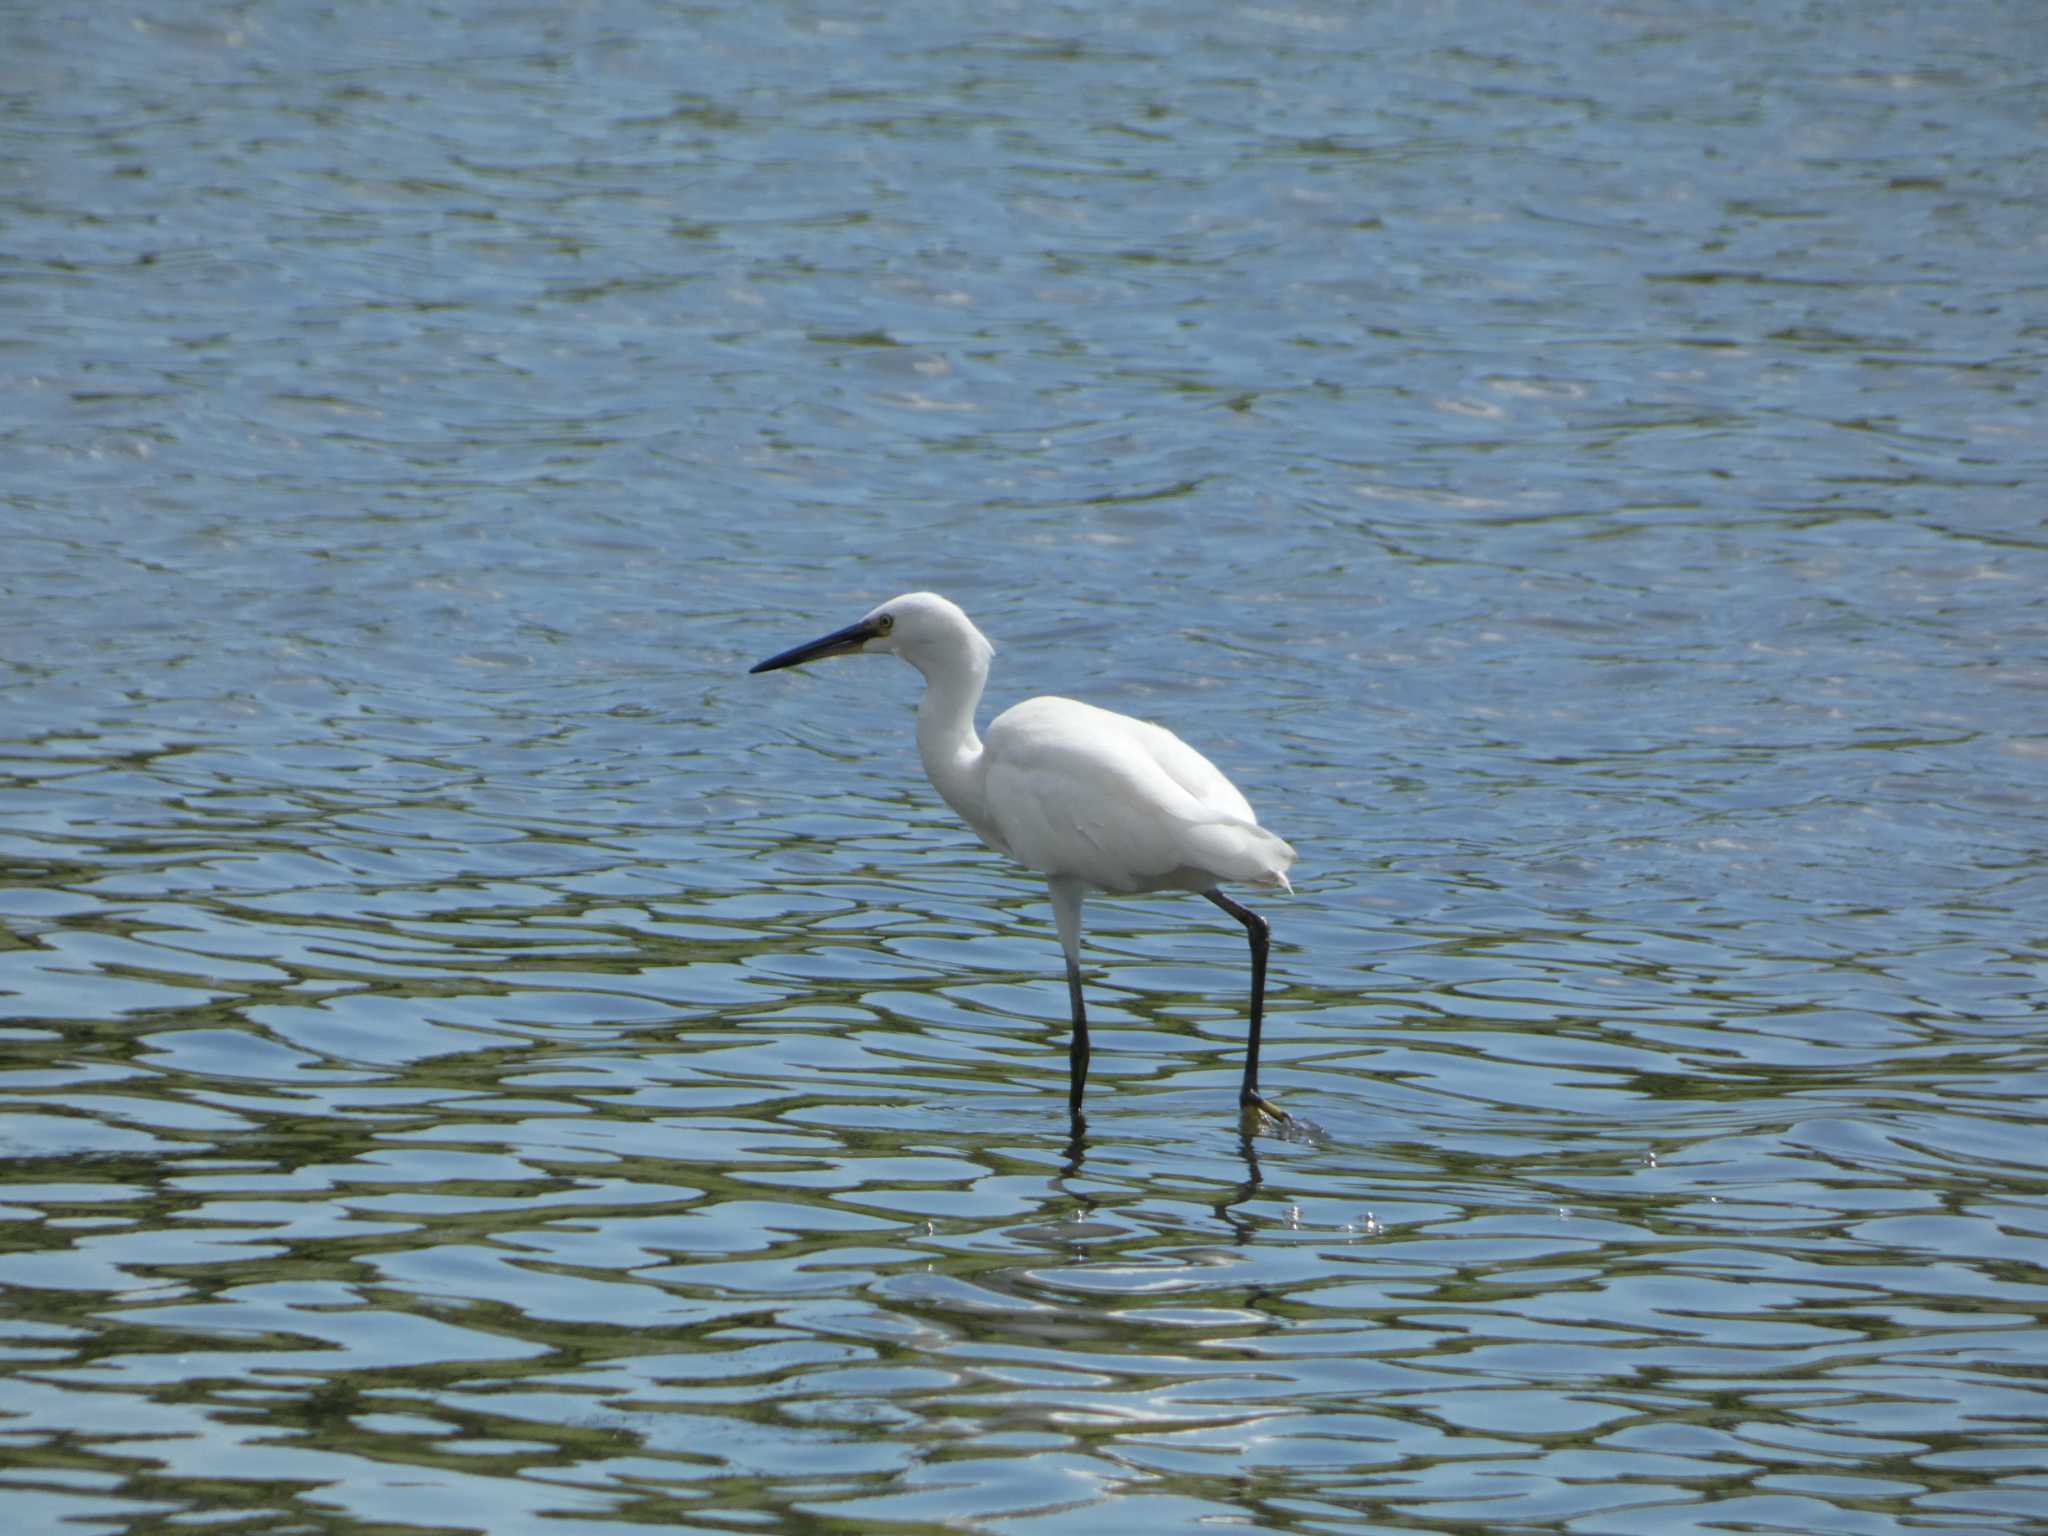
{"points": [[1094, 801]]}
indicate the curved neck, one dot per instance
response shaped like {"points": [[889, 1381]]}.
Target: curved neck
{"points": [[945, 733]]}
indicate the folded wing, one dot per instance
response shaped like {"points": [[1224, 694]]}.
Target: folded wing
{"points": [[1120, 804]]}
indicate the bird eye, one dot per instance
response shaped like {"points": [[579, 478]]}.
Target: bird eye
{"points": [[886, 623]]}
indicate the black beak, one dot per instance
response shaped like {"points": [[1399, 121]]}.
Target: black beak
{"points": [[841, 642]]}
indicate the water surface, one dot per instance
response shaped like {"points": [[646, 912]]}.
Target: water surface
{"points": [[477, 1060]]}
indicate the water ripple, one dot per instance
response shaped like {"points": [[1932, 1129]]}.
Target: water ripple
{"points": [[475, 1060]]}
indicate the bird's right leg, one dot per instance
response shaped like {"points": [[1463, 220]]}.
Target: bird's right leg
{"points": [[1066, 911], [1258, 931]]}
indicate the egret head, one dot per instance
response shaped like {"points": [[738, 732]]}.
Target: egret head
{"points": [[925, 629]]}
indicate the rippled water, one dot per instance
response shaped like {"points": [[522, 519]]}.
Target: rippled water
{"points": [[476, 1060]]}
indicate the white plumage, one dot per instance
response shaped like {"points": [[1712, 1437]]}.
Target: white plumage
{"points": [[1092, 800], [1121, 804]]}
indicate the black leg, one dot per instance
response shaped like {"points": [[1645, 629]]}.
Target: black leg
{"points": [[1259, 932], [1077, 1047], [1067, 896]]}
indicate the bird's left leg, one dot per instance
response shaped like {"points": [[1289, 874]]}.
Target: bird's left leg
{"points": [[1258, 931], [1066, 910]]}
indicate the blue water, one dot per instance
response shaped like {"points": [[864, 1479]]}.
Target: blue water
{"points": [[476, 1060]]}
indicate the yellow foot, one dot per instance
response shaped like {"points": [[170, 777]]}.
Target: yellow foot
{"points": [[1261, 1114], [1264, 1112]]}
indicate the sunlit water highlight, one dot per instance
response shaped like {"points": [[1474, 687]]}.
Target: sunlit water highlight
{"points": [[475, 1060]]}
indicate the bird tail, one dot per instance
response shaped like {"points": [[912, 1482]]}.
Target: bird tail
{"points": [[1245, 852]]}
